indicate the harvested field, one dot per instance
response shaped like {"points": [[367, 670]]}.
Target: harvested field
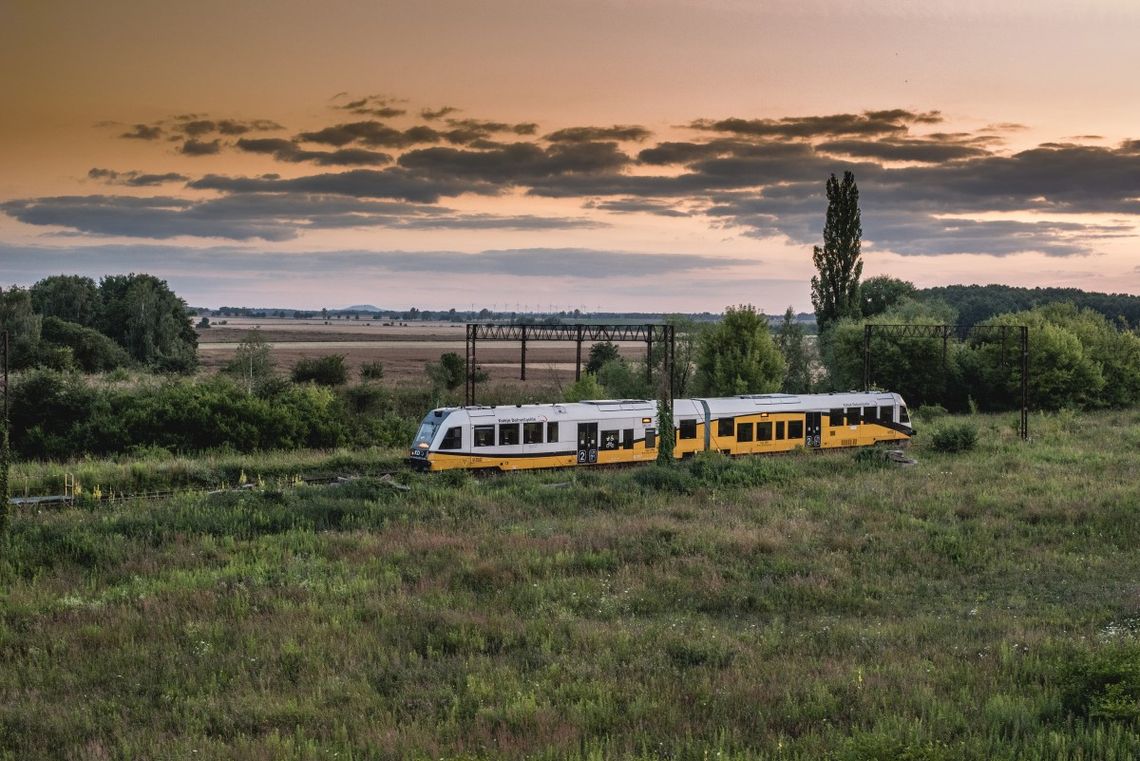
{"points": [[403, 348]]}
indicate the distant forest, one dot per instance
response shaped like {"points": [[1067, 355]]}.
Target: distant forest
{"points": [[978, 303]]}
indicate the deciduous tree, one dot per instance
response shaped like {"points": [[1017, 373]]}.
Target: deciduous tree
{"points": [[738, 355]]}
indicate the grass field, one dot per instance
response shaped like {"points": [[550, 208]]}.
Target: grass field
{"points": [[973, 606]]}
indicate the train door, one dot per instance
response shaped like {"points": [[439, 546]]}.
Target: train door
{"points": [[812, 430], [587, 443]]}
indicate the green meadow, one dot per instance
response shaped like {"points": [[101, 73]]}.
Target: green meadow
{"points": [[977, 605]]}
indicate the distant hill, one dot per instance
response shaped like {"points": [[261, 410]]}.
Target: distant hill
{"points": [[977, 303], [359, 308]]}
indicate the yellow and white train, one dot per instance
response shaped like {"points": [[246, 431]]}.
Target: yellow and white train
{"points": [[608, 432]]}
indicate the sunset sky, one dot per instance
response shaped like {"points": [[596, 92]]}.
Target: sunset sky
{"points": [[618, 155]]}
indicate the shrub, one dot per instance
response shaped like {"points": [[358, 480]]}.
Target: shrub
{"points": [[954, 437], [329, 370], [372, 371], [663, 478], [1104, 685], [930, 412], [93, 352]]}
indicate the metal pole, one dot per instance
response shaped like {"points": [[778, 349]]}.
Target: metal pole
{"points": [[649, 356], [1025, 382], [578, 360], [672, 359], [522, 369], [867, 357]]}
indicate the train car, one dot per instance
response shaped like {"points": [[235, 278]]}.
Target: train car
{"points": [[603, 432], [613, 431]]}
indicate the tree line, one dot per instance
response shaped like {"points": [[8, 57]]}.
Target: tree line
{"points": [[68, 322]]}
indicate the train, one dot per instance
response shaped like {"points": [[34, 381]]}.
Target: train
{"points": [[621, 431]]}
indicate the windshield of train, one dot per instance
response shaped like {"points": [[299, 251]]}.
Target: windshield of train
{"points": [[426, 434]]}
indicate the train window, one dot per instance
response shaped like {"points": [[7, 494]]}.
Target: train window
{"points": [[725, 426], [853, 415], [780, 431], [484, 435], [688, 429], [887, 414], [903, 416], [650, 438], [744, 432], [795, 429], [627, 438], [835, 417], [453, 439], [508, 434], [532, 433], [870, 414], [609, 439], [763, 431], [551, 432]]}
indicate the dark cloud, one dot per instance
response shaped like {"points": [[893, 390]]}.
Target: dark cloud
{"points": [[593, 134], [438, 113], [516, 163], [287, 150], [637, 206], [373, 105], [465, 131], [143, 132], [134, 178], [371, 133], [194, 147], [904, 149], [395, 183], [265, 216], [890, 122], [220, 263]]}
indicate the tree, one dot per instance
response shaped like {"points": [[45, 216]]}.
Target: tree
{"points": [[146, 318], [92, 351], [793, 347], [72, 298], [835, 290], [450, 371], [883, 292], [600, 354], [23, 325], [738, 355], [252, 360], [586, 387]]}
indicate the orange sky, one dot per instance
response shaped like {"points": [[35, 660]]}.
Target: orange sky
{"points": [[991, 142]]}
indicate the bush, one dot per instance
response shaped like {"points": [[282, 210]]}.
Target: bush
{"points": [[92, 351], [954, 437], [928, 413], [329, 370], [372, 371], [1104, 685]]}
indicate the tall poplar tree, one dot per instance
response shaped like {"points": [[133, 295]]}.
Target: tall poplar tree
{"points": [[835, 290]]}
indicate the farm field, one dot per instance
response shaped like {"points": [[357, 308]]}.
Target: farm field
{"points": [[978, 605], [404, 348]]}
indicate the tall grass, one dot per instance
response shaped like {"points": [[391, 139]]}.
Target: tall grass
{"points": [[976, 605]]}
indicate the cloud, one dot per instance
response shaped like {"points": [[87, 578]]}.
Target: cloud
{"points": [[889, 122], [194, 147], [265, 216], [143, 132], [637, 206], [432, 114], [219, 262], [371, 133], [373, 105], [287, 150], [395, 183], [515, 163], [465, 131], [904, 149], [134, 178], [592, 134]]}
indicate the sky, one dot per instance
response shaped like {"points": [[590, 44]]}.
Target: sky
{"points": [[617, 155]]}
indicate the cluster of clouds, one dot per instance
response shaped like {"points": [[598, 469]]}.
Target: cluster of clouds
{"points": [[924, 190]]}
